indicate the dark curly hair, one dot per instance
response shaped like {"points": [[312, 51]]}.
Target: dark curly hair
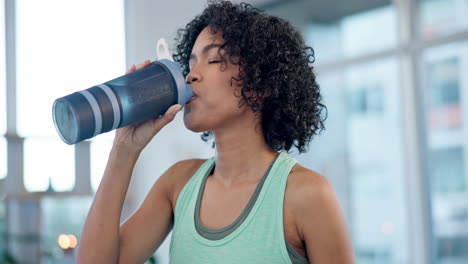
{"points": [[275, 66]]}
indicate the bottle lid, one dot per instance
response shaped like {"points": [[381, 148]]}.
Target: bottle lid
{"points": [[162, 50]]}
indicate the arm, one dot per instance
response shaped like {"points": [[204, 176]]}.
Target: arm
{"points": [[100, 241], [321, 223], [147, 228]]}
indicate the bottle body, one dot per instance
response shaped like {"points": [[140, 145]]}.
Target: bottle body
{"points": [[138, 96]]}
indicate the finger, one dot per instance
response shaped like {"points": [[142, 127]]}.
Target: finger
{"points": [[139, 66], [132, 68], [173, 109], [143, 64], [165, 119]]}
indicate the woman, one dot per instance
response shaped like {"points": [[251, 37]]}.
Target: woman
{"points": [[255, 93]]}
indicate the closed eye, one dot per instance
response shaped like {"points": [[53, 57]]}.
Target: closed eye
{"points": [[213, 62]]}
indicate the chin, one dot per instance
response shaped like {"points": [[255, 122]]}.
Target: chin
{"points": [[191, 125], [194, 129]]}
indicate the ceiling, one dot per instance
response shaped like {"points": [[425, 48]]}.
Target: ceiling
{"points": [[319, 11]]}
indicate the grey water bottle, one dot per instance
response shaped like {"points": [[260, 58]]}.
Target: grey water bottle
{"points": [[138, 96]]}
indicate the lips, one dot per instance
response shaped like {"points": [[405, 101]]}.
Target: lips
{"points": [[191, 99], [194, 95]]}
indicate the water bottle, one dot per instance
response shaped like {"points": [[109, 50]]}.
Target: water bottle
{"points": [[138, 96]]}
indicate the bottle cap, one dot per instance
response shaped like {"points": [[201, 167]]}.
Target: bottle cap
{"points": [[162, 50]]}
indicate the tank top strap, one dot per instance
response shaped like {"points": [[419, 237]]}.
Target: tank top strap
{"points": [[190, 189], [278, 178], [273, 203]]}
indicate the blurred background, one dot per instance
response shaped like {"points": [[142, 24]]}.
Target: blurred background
{"points": [[394, 76]]}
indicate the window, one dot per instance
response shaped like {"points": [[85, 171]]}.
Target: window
{"points": [[370, 31], [379, 219], [442, 17], [62, 47], [444, 100], [445, 86], [362, 88], [61, 216], [3, 117], [3, 158], [361, 151], [100, 149], [50, 165], [361, 154]]}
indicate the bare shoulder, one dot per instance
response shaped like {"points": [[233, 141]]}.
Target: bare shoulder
{"points": [[305, 182], [318, 217], [308, 193], [179, 174]]}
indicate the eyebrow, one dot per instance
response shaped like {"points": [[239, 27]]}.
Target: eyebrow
{"points": [[206, 49]]}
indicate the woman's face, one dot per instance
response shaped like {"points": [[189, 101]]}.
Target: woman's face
{"points": [[215, 106]]}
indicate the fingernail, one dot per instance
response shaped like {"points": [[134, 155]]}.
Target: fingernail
{"points": [[174, 111]]}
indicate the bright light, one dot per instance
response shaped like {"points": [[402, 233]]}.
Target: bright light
{"points": [[67, 241], [2, 72], [58, 165], [64, 241], [387, 228], [73, 241], [85, 48], [100, 148]]}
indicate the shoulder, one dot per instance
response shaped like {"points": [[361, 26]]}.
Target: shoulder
{"points": [[318, 217], [306, 183], [187, 165], [179, 174], [309, 195]]}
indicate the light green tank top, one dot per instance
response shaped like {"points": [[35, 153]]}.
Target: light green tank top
{"points": [[257, 236]]}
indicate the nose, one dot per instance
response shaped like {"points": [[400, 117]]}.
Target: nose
{"points": [[193, 77]]}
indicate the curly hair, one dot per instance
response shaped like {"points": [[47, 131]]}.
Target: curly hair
{"points": [[276, 72]]}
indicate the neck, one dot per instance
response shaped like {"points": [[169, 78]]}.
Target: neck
{"points": [[242, 155]]}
